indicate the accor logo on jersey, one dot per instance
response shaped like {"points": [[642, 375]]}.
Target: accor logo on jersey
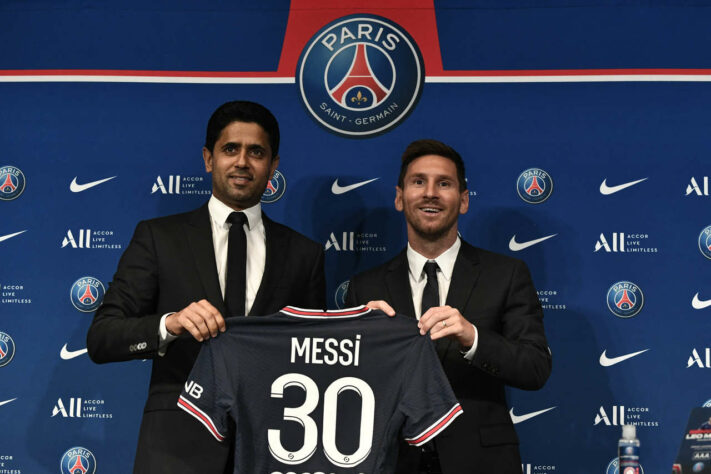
{"points": [[534, 185], [12, 183], [705, 242], [7, 349], [360, 75], [276, 187], [625, 299], [87, 293], [78, 460]]}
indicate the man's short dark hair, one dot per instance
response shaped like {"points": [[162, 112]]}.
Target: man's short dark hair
{"points": [[242, 111], [425, 147]]}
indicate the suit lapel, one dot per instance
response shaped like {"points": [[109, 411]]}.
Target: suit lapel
{"points": [[397, 280], [276, 253], [199, 233], [464, 277]]}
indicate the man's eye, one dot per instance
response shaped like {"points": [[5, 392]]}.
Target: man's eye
{"points": [[230, 149], [445, 184], [418, 182], [258, 152]]}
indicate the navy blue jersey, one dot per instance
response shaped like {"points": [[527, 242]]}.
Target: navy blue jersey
{"points": [[313, 391]]}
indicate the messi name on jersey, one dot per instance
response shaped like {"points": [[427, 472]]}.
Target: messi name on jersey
{"points": [[320, 391]]}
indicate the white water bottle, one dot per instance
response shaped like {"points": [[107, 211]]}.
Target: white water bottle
{"points": [[628, 451]]}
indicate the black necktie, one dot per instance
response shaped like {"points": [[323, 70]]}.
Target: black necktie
{"points": [[236, 281], [430, 297]]}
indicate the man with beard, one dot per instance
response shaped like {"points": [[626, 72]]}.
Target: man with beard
{"points": [[182, 275], [480, 308]]}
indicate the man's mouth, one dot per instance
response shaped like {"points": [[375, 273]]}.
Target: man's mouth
{"points": [[430, 210]]}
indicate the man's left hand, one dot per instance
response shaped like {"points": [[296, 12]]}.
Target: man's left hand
{"points": [[445, 321]]}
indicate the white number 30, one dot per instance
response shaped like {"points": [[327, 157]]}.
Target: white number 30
{"points": [[330, 410]]}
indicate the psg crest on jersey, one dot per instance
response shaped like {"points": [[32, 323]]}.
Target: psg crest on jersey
{"points": [[87, 294], [12, 183], [534, 185], [360, 75], [625, 299], [276, 187], [705, 242], [7, 349], [78, 461]]}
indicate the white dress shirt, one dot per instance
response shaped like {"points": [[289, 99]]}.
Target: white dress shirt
{"points": [[418, 280], [256, 255]]}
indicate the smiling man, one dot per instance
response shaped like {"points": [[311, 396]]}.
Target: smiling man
{"points": [[182, 275], [481, 308]]}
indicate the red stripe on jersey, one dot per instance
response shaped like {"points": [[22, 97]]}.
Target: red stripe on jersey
{"points": [[186, 405], [453, 413], [302, 312]]}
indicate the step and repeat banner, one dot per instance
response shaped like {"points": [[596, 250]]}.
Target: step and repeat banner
{"points": [[584, 126]]}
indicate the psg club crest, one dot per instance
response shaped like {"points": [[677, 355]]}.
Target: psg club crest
{"points": [[705, 242], [613, 468], [7, 349], [78, 461], [341, 292], [276, 187], [625, 299], [87, 294], [534, 185], [360, 75], [12, 183]]}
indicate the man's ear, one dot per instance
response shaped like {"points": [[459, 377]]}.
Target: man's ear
{"points": [[398, 198], [207, 157]]}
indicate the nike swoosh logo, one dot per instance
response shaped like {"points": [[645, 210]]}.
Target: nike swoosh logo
{"points": [[9, 236], [527, 416], [606, 190], [608, 361], [700, 304], [66, 354], [77, 188], [336, 189], [7, 401], [516, 246]]}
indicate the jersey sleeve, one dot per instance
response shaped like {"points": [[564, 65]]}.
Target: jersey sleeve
{"points": [[428, 403], [205, 395]]}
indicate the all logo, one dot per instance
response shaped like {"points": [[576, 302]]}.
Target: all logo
{"points": [[538, 468], [12, 183], [613, 468], [619, 415], [76, 407], [87, 293], [697, 360], [354, 242], [705, 242], [184, 185], [341, 293], [625, 299], [78, 460], [88, 239], [7, 349], [360, 75], [701, 189], [276, 187], [534, 185], [624, 243]]}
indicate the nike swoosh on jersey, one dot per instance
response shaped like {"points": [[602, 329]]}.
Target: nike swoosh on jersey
{"points": [[696, 303], [606, 190], [7, 401], [336, 189], [77, 188], [608, 361], [516, 246], [9, 236], [521, 418], [66, 354]]}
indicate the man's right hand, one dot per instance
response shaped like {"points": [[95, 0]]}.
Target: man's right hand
{"points": [[382, 306], [200, 319]]}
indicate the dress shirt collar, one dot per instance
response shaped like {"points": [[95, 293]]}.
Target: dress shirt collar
{"points": [[445, 261], [219, 212]]}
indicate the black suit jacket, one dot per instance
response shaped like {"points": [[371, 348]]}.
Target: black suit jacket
{"points": [[170, 263], [496, 294]]}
